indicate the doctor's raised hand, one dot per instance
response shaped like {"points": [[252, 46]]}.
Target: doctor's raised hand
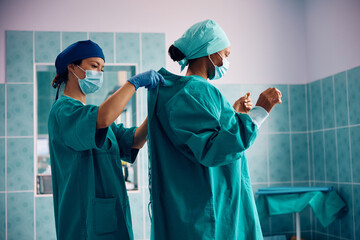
{"points": [[243, 104], [269, 98]]}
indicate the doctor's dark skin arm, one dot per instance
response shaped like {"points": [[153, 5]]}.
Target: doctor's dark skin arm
{"points": [[140, 135]]}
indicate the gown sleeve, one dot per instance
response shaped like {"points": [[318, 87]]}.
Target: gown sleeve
{"points": [[125, 139], [202, 124], [78, 126]]}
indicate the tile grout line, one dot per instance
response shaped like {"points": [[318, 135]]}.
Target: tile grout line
{"points": [[290, 138], [307, 129], [323, 126], [311, 126], [20, 191], [35, 117], [313, 222], [308, 145], [291, 152], [264, 183], [323, 137], [350, 149], [336, 140], [343, 183], [268, 174], [14, 137], [6, 193]]}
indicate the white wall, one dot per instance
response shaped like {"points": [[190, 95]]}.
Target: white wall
{"points": [[268, 36], [333, 36]]}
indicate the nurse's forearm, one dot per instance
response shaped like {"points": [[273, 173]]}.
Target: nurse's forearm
{"points": [[140, 135], [111, 109]]}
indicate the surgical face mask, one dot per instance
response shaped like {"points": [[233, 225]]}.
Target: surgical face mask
{"points": [[92, 82], [220, 71]]}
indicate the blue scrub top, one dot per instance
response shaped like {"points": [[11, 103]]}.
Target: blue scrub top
{"points": [[200, 185], [90, 198]]}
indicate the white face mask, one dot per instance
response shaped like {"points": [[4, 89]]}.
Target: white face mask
{"points": [[92, 82], [220, 71]]}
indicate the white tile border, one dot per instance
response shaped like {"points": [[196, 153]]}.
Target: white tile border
{"points": [[6, 192], [350, 150]]}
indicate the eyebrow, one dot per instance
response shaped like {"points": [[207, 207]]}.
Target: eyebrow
{"points": [[93, 61]]}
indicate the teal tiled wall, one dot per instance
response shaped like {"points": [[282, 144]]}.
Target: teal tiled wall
{"points": [[106, 42], [2, 110], [335, 152], [20, 162], [47, 46], [300, 157], [128, 48], [19, 56], [45, 221], [69, 38], [20, 215], [20, 119], [353, 77], [298, 109], [153, 51], [2, 164], [341, 106]]}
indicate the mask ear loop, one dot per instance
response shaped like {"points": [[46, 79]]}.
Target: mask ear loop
{"points": [[81, 68], [211, 61], [220, 55], [75, 75], [222, 59]]}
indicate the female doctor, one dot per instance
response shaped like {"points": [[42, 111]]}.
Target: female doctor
{"points": [[200, 186], [86, 148]]}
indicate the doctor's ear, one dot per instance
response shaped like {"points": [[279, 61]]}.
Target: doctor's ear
{"points": [[71, 67]]}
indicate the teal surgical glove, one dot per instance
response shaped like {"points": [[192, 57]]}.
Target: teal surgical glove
{"points": [[149, 79]]}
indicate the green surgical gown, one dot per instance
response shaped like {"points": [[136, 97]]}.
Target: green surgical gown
{"points": [[90, 199], [199, 181]]}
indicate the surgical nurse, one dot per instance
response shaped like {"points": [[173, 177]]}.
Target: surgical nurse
{"points": [[199, 181], [86, 148]]}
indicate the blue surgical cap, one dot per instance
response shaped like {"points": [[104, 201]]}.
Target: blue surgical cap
{"points": [[201, 39], [77, 51]]}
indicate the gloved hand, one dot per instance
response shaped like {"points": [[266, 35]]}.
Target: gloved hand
{"points": [[149, 79]]}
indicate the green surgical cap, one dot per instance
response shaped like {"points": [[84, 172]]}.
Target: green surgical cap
{"points": [[201, 39]]}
